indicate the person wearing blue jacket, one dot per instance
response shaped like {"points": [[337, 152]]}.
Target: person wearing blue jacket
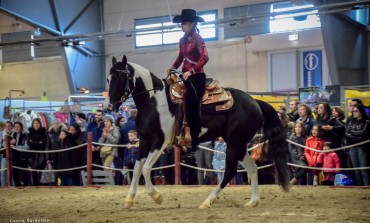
{"points": [[219, 157]]}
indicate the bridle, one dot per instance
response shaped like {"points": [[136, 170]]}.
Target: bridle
{"points": [[127, 91]]}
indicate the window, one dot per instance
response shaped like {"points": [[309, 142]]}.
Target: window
{"points": [[158, 34], [241, 29], [293, 17]]}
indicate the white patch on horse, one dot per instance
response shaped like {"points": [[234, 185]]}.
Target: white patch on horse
{"points": [[165, 117], [144, 74]]}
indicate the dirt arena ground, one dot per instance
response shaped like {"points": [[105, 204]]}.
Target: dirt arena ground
{"points": [[180, 204]]}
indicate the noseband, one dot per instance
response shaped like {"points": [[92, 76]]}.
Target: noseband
{"points": [[127, 90]]}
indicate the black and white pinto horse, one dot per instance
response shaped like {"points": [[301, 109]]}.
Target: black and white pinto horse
{"points": [[155, 124]]}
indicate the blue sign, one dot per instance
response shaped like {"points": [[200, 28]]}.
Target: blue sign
{"points": [[312, 68]]}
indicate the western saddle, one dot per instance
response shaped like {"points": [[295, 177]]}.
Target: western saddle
{"points": [[214, 95]]}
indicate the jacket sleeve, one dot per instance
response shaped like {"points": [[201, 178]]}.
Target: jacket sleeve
{"points": [[179, 59], [293, 151], [320, 158], [308, 155], [113, 137], [361, 133], [336, 161]]}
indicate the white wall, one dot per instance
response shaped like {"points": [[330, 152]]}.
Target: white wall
{"points": [[35, 78]]}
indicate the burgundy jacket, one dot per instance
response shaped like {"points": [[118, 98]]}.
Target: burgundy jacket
{"points": [[192, 53]]}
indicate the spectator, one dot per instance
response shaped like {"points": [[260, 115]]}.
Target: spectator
{"points": [[110, 135], [338, 113], [328, 160], [203, 159], [281, 108], [358, 130], [297, 153], [314, 111], [218, 161], [285, 123], [81, 120], [20, 159], [96, 127], [53, 136], [129, 125], [293, 108], [188, 174], [37, 139], [8, 130], [65, 160], [305, 116], [118, 161], [315, 142], [77, 138], [333, 130], [131, 151], [353, 102]]}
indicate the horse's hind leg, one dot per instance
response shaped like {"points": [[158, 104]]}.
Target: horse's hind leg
{"points": [[230, 172], [251, 167], [129, 201], [150, 189]]}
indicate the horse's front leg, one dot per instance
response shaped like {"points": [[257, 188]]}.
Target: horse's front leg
{"points": [[129, 201], [251, 167], [147, 169]]}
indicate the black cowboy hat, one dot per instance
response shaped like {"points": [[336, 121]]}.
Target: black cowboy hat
{"points": [[187, 15]]}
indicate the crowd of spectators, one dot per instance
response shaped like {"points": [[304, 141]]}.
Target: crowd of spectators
{"points": [[320, 127]]}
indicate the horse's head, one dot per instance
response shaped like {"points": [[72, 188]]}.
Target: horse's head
{"points": [[120, 81]]}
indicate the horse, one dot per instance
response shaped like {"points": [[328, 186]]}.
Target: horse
{"points": [[155, 123]]}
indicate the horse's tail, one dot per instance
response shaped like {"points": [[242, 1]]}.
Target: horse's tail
{"points": [[277, 145]]}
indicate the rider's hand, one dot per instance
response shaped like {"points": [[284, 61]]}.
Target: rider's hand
{"points": [[187, 74]]}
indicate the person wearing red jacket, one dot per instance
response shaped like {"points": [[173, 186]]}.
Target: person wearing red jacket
{"points": [[328, 160], [193, 56], [314, 142]]}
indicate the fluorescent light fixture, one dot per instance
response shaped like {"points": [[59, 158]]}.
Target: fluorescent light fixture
{"points": [[293, 8], [293, 37]]}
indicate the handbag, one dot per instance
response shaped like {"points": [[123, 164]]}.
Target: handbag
{"points": [[47, 176], [7, 114], [106, 150], [257, 153]]}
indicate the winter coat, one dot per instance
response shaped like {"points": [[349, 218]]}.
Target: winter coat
{"points": [[357, 131], [295, 151], [334, 136], [96, 129], [329, 160], [21, 143], [129, 125], [53, 136], [37, 140], [218, 161], [113, 137], [131, 153], [315, 143], [65, 159]]}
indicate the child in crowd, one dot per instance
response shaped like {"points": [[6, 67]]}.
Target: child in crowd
{"points": [[315, 142], [219, 157], [328, 160], [65, 159], [297, 153], [131, 151]]}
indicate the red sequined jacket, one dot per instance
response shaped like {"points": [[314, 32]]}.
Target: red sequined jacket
{"points": [[192, 53]]}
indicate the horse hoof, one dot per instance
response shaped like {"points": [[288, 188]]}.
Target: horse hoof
{"points": [[128, 204], [252, 203], [157, 197], [205, 205]]}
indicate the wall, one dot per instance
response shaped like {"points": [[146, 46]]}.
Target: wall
{"points": [[35, 78], [234, 62]]}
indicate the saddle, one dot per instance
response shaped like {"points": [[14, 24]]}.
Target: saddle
{"points": [[214, 94]]}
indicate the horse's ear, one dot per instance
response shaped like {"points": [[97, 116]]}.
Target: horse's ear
{"points": [[124, 60], [114, 61]]}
